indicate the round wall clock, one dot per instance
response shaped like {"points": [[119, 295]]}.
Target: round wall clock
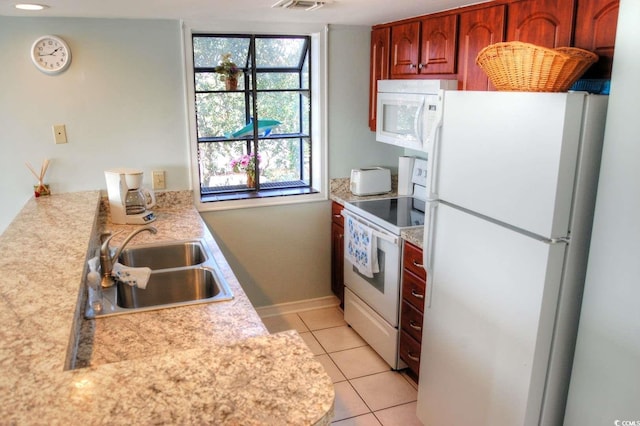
{"points": [[51, 54]]}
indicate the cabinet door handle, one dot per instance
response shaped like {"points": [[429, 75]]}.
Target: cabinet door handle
{"points": [[416, 295], [337, 215], [416, 264], [412, 357], [414, 325], [412, 66]]}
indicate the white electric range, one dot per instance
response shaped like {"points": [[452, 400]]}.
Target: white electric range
{"points": [[372, 295]]}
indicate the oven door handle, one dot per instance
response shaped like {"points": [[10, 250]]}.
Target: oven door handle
{"points": [[376, 231]]}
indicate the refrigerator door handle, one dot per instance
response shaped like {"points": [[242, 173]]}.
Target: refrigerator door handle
{"points": [[432, 151], [433, 164], [427, 255]]}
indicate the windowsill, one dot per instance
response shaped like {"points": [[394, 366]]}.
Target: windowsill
{"points": [[264, 193], [254, 199]]}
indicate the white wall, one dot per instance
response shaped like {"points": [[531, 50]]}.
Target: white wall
{"points": [[123, 103], [280, 253], [605, 383], [352, 144]]}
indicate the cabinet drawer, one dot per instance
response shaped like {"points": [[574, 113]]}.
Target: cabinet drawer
{"points": [[336, 217], [411, 321], [410, 352], [413, 289], [412, 260]]}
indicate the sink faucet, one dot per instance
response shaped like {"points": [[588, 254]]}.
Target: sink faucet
{"points": [[107, 261]]}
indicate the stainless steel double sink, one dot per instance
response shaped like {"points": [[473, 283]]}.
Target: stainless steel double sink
{"points": [[182, 273]]}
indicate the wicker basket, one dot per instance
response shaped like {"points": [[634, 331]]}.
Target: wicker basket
{"points": [[517, 66]]}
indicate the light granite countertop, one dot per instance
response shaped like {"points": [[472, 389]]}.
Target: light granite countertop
{"points": [[202, 364]]}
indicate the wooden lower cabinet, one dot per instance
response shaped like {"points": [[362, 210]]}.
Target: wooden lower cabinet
{"points": [[337, 252], [413, 289], [412, 307], [410, 353], [411, 321]]}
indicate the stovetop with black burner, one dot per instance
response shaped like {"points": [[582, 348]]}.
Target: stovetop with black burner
{"points": [[392, 214]]}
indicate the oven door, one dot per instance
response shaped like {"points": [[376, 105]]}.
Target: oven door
{"points": [[382, 291]]}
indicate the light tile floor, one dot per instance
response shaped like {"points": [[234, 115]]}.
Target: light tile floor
{"points": [[368, 392]]}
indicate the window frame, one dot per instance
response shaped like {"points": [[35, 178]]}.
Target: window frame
{"points": [[318, 126], [302, 184]]}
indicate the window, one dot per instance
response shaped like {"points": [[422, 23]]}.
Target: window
{"points": [[266, 116]]}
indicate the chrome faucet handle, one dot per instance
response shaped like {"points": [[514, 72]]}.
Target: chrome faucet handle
{"points": [[104, 235], [107, 261]]}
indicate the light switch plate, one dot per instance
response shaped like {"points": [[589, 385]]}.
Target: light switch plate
{"points": [[158, 179], [59, 133]]}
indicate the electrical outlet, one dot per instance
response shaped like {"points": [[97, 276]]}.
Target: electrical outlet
{"points": [[59, 133], [158, 179]]}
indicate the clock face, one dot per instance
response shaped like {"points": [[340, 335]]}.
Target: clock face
{"points": [[50, 54]]}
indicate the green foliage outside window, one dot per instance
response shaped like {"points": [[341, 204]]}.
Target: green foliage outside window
{"points": [[281, 93]]}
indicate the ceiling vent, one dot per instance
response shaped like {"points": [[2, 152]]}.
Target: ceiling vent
{"points": [[307, 5]]}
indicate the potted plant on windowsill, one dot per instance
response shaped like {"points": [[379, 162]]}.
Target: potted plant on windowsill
{"points": [[247, 164], [228, 71]]}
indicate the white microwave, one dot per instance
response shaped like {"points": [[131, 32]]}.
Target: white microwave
{"points": [[408, 111]]}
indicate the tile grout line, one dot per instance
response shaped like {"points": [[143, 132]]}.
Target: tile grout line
{"points": [[349, 380], [342, 372]]}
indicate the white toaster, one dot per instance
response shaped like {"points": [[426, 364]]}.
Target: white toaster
{"points": [[370, 181]]}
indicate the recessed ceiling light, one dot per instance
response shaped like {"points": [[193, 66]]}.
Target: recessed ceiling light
{"points": [[31, 6]]}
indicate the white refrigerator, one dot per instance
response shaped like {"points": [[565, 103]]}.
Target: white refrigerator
{"points": [[512, 177]]}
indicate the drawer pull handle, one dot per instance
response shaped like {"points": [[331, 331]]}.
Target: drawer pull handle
{"points": [[337, 216], [412, 357], [417, 295], [415, 326], [416, 264]]}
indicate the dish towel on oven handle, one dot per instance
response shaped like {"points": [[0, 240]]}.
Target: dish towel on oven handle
{"points": [[361, 248]]}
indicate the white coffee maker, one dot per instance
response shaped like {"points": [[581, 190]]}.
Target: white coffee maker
{"points": [[129, 202]]}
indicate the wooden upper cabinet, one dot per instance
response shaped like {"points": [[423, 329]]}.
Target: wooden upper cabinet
{"points": [[478, 29], [596, 23], [405, 39], [380, 39], [546, 23], [446, 44], [438, 45]]}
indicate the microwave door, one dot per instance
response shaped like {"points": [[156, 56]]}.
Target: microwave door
{"points": [[399, 119]]}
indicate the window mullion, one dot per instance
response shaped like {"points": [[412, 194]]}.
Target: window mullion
{"points": [[254, 108], [310, 94]]}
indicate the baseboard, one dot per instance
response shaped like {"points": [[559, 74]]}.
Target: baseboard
{"points": [[298, 306]]}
